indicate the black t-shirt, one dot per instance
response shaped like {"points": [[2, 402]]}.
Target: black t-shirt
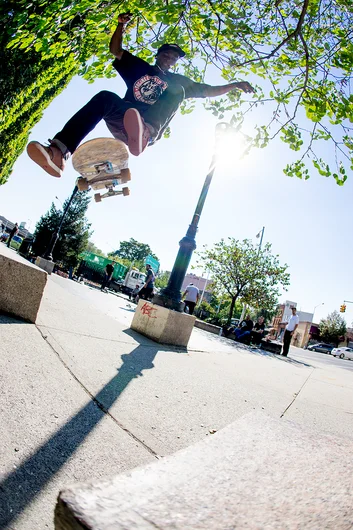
{"points": [[146, 83], [109, 269], [246, 325], [259, 327]]}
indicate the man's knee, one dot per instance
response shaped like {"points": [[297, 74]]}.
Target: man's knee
{"points": [[106, 97]]}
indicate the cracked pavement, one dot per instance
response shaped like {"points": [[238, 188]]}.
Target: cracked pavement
{"points": [[83, 396]]}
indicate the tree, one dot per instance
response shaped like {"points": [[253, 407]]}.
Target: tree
{"points": [[301, 55], [162, 279], [28, 83], [241, 270], [91, 247], [332, 328], [133, 251], [74, 233]]}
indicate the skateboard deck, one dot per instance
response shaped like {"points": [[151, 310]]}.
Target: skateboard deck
{"points": [[102, 164]]}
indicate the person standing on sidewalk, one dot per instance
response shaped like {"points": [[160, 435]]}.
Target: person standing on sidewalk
{"points": [[289, 331], [191, 295], [108, 273], [153, 96], [147, 290], [13, 232]]}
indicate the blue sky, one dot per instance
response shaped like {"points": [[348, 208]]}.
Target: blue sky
{"points": [[308, 223]]}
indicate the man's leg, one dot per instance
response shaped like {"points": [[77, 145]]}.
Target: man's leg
{"points": [[191, 307], [286, 342], [244, 337], [104, 283], [147, 127], [238, 332], [104, 105]]}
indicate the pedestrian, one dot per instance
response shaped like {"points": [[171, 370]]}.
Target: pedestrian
{"points": [[191, 297], [134, 293], [258, 332], [147, 290], [153, 96], [243, 332], [289, 331], [13, 232], [108, 273]]}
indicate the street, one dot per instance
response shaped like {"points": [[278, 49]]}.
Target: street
{"points": [[328, 360]]}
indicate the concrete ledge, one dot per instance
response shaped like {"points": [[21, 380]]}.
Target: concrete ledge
{"points": [[162, 325], [273, 346], [45, 264], [211, 328], [21, 285], [256, 473]]}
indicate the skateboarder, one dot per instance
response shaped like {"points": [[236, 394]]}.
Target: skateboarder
{"points": [[152, 98]]}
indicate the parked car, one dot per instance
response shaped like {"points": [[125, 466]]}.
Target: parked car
{"points": [[342, 352], [321, 347]]}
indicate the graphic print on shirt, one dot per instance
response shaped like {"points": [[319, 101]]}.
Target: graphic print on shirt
{"points": [[149, 88]]}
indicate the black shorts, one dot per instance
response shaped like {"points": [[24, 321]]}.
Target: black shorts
{"points": [[146, 292]]}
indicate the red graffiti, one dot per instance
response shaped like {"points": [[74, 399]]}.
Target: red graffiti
{"points": [[147, 310]]}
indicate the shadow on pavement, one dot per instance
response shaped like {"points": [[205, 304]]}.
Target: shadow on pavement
{"points": [[290, 360], [20, 488], [6, 318]]}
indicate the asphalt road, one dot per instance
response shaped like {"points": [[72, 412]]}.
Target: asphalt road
{"points": [[324, 358]]}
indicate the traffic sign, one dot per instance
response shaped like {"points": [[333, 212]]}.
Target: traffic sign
{"points": [[153, 262]]}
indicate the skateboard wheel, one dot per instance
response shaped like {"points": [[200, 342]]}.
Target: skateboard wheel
{"points": [[126, 191], [82, 184], [97, 197], [125, 175]]}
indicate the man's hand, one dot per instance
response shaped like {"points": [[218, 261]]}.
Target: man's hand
{"points": [[124, 18], [245, 87]]}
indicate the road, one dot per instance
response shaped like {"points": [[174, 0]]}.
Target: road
{"points": [[328, 360]]}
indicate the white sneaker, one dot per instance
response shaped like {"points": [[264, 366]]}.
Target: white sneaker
{"points": [[49, 158], [138, 132]]}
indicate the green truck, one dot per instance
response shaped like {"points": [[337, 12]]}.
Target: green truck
{"points": [[93, 266]]}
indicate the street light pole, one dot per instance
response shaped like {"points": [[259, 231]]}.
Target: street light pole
{"points": [[54, 238], [170, 296], [322, 303], [262, 235]]}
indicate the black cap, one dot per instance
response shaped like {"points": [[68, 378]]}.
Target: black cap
{"points": [[173, 47]]}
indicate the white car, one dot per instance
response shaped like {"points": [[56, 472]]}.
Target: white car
{"points": [[342, 352]]}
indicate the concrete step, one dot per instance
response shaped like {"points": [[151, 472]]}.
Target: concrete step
{"points": [[257, 473]]}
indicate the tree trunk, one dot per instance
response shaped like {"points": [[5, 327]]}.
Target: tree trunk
{"points": [[230, 315]]}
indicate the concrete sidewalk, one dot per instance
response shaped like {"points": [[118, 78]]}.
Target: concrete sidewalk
{"points": [[84, 397]]}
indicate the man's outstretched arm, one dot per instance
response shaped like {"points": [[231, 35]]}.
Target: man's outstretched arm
{"points": [[116, 41], [212, 91]]}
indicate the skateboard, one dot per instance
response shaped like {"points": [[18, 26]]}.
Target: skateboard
{"points": [[102, 164]]}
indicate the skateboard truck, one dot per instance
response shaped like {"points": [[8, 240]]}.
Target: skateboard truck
{"points": [[106, 167]]}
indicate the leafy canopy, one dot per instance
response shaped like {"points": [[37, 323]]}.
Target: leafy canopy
{"points": [[133, 251], [299, 55], [333, 327], [242, 270], [74, 234]]}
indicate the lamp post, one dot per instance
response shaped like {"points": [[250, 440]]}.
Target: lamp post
{"points": [[322, 303], [54, 238], [170, 296]]}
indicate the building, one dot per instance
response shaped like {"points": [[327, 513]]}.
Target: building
{"points": [[199, 282]]}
